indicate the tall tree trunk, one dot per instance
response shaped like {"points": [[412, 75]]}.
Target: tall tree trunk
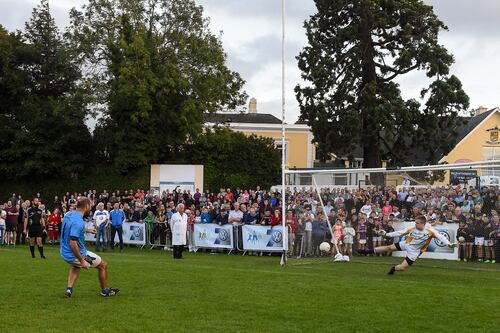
{"points": [[368, 100]]}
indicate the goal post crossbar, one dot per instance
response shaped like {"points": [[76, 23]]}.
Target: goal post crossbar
{"points": [[454, 166]]}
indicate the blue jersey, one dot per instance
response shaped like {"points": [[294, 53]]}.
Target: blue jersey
{"points": [[117, 216], [72, 228]]}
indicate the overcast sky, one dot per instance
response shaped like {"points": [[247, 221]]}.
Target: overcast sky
{"points": [[252, 40]]}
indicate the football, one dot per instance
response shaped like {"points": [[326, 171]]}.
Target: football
{"points": [[324, 247]]}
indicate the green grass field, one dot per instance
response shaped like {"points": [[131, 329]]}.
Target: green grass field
{"points": [[220, 293]]}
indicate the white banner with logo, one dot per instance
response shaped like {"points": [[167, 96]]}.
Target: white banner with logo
{"points": [[133, 233], [213, 236], [435, 250], [262, 238]]}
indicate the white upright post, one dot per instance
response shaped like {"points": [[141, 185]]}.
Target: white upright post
{"points": [[283, 139], [318, 190]]}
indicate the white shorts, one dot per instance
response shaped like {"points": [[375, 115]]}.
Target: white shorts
{"points": [[362, 241], [348, 240], [377, 238], [411, 252], [479, 241], [93, 259], [488, 242]]}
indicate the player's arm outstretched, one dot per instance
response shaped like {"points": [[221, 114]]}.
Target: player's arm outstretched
{"points": [[397, 233], [441, 238]]}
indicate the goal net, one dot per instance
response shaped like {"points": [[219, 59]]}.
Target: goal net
{"points": [[347, 207]]}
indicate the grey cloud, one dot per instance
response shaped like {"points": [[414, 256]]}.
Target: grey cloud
{"points": [[474, 19]]}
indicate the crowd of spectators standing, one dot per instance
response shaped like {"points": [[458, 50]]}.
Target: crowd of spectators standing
{"points": [[355, 215]]}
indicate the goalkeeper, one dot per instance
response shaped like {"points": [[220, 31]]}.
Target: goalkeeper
{"points": [[417, 240]]}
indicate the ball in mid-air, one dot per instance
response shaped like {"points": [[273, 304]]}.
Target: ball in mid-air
{"points": [[461, 239], [324, 247]]}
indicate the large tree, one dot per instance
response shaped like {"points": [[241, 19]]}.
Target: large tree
{"points": [[357, 51], [45, 109], [156, 68], [12, 90]]}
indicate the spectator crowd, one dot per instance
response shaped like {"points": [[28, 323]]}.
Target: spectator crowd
{"points": [[356, 215]]}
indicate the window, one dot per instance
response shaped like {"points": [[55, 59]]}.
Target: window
{"points": [[279, 145], [305, 180], [490, 153], [339, 179]]}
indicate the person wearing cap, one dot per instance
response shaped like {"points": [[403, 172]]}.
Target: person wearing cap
{"points": [[222, 218], [205, 217]]}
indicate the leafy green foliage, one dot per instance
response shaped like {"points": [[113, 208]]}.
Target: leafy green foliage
{"points": [[156, 69], [356, 51], [232, 159], [45, 108]]}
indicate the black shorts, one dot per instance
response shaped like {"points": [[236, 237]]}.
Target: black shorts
{"points": [[35, 231], [409, 261], [9, 226]]}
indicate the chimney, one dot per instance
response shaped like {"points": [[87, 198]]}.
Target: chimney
{"points": [[252, 106], [481, 110]]}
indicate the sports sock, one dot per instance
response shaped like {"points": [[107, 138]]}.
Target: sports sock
{"points": [[40, 249], [69, 289], [32, 249], [105, 291], [370, 251]]}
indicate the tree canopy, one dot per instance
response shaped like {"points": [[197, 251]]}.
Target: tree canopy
{"points": [[357, 50], [156, 68], [43, 108]]}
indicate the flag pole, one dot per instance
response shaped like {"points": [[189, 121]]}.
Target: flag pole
{"points": [[283, 139]]}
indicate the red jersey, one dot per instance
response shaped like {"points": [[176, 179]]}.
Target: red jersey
{"points": [[276, 220], [292, 224], [54, 221]]}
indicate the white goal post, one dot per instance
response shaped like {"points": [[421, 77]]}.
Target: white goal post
{"points": [[436, 167]]}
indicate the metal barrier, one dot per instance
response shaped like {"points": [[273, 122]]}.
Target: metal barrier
{"points": [[159, 236]]}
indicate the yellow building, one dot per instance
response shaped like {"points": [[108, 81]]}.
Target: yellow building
{"points": [[478, 140], [299, 149]]}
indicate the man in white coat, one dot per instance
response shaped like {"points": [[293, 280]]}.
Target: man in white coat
{"points": [[178, 225]]}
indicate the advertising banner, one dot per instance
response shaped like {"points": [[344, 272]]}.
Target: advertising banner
{"points": [[262, 238], [133, 233], [435, 250], [213, 236]]}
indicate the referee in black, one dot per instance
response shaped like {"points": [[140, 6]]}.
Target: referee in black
{"points": [[34, 223]]}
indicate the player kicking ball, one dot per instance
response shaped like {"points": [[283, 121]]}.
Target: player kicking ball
{"points": [[73, 249], [416, 243]]}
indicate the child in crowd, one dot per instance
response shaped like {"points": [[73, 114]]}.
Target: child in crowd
{"points": [[307, 220], [362, 231], [338, 233], [3, 216], [349, 234], [462, 234], [377, 240], [266, 218], [54, 223], [197, 218]]}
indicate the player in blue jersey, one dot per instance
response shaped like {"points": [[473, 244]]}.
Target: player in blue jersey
{"points": [[73, 249]]}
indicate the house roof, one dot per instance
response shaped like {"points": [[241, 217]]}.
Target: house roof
{"points": [[419, 154], [471, 124], [246, 118]]}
